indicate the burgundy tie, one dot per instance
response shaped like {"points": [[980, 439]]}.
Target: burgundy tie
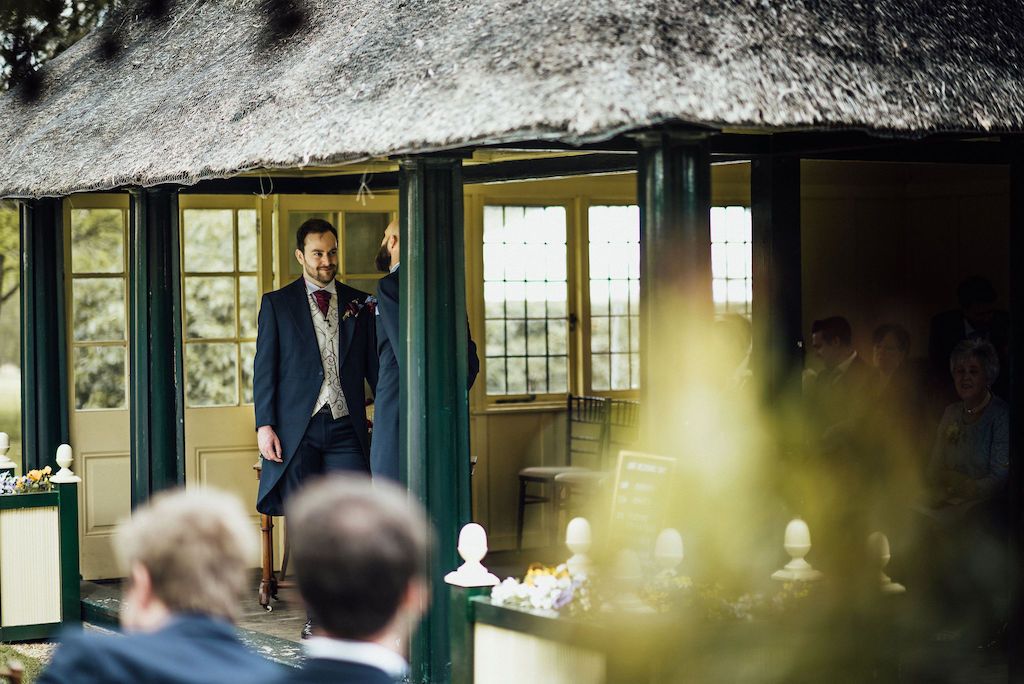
{"points": [[323, 300]]}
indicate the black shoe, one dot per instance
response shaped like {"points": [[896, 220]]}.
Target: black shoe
{"points": [[307, 629]]}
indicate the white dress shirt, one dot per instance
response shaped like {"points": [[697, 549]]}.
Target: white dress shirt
{"points": [[361, 652]]}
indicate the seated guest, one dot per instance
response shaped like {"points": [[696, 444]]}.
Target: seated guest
{"points": [[971, 456], [976, 318], [837, 395], [360, 554], [187, 554], [891, 346]]}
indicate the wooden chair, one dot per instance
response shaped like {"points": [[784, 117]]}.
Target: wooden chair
{"points": [[623, 431], [585, 439], [270, 581]]}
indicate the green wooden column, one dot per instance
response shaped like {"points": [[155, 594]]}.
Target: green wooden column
{"points": [[44, 384], [674, 193], [435, 409], [155, 340], [777, 307]]}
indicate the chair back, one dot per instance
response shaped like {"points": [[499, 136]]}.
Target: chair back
{"points": [[623, 426], [587, 431]]}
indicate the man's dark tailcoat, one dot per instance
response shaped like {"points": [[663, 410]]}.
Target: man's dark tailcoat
{"points": [[384, 451], [288, 373]]}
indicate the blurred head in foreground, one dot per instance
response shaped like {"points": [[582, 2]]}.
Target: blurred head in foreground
{"points": [[360, 554], [184, 552]]}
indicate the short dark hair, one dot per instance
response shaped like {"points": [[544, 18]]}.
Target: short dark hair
{"points": [[975, 290], [897, 331], [356, 548], [316, 226], [834, 327]]}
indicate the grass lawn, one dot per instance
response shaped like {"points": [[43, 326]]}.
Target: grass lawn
{"points": [[10, 408]]}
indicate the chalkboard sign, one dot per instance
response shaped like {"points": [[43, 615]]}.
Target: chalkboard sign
{"points": [[643, 487]]}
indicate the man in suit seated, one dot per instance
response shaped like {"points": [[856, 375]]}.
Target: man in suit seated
{"points": [[187, 554], [360, 554], [838, 394]]}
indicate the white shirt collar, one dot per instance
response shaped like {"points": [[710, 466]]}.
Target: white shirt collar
{"points": [[393, 268], [361, 652], [312, 287]]}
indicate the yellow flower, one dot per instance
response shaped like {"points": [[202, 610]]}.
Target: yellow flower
{"points": [[47, 470], [34, 475]]}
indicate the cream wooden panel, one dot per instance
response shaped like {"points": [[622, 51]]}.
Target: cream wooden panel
{"points": [[30, 570], [515, 440], [104, 472], [501, 656], [220, 450]]}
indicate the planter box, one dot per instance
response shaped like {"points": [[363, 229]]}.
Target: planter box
{"points": [[39, 580]]}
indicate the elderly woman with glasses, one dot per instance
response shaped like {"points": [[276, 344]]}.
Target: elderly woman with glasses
{"points": [[971, 456]]}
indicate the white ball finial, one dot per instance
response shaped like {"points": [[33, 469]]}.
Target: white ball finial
{"points": [[472, 549], [578, 540], [5, 446], [668, 549], [797, 543], [64, 459], [878, 548]]}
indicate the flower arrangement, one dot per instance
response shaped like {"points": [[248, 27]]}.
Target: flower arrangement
{"points": [[667, 592], [355, 307], [546, 589], [32, 482]]}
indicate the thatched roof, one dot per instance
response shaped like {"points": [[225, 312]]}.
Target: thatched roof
{"points": [[196, 96]]}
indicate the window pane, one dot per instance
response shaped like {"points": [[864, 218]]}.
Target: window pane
{"points": [[614, 293], [494, 300], [558, 376], [248, 247], [247, 351], [525, 294], [620, 371], [212, 378], [296, 219], [10, 322], [634, 371], [363, 233], [98, 309], [97, 241], [599, 329], [600, 379], [496, 375], [495, 338], [558, 332], [209, 243], [620, 334], [516, 376], [537, 375], [731, 259], [248, 298], [209, 307], [515, 340], [99, 377], [536, 338]]}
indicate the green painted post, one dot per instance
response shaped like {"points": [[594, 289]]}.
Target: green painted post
{"points": [[155, 340], [70, 577], [777, 313], [44, 397], [435, 408], [674, 192]]}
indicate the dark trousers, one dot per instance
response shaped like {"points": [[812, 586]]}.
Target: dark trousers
{"points": [[328, 446]]}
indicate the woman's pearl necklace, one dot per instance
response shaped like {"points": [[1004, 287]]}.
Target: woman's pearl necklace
{"points": [[980, 407]]}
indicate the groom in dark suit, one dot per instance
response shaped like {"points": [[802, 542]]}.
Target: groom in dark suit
{"points": [[314, 350], [384, 449]]}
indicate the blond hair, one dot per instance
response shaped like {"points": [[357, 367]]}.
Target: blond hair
{"points": [[196, 545]]}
